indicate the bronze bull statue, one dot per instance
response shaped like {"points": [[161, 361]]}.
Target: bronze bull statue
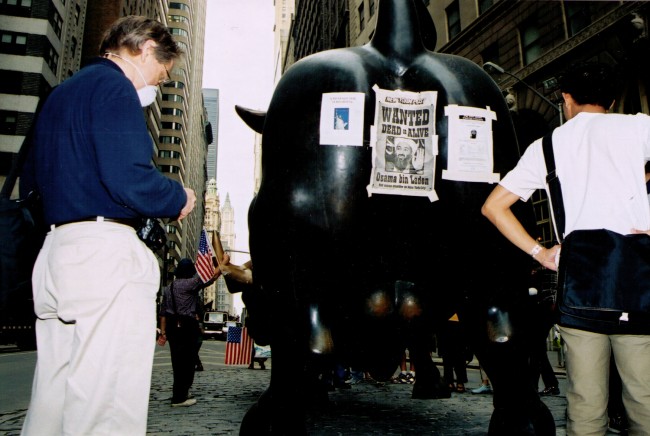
{"points": [[366, 232]]}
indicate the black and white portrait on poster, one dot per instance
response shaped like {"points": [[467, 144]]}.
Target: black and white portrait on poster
{"points": [[405, 144]]}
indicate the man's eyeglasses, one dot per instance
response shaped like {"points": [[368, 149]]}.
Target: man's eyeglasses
{"points": [[167, 79]]}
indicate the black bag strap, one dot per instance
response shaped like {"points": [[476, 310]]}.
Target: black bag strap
{"points": [[554, 187]]}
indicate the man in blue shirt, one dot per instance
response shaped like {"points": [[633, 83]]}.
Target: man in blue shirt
{"points": [[94, 281]]}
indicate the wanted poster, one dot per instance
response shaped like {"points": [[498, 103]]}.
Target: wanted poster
{"points": [[405, 144], [470, 145]]}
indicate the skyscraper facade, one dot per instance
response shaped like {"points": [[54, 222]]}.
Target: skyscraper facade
{"points": [[41, 45], [211, 101], [46, 41]]}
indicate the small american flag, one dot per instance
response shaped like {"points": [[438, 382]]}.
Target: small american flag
{"points": [[238, 346], [204, 266]]}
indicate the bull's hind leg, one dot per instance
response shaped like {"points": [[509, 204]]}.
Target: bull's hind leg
{"points": [[518, 409]]}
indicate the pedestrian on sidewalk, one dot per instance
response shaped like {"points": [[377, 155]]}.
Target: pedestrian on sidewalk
{"points": [[542, 318], [405, 376], [599, 158], [179, 325], [453, 348], [486, 386]]}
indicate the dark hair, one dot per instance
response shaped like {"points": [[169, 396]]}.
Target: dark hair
{"points": [[590, 83], [185, 269], [132, 31]]}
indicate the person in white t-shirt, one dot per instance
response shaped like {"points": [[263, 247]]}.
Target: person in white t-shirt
{"points": [[600, 161]]}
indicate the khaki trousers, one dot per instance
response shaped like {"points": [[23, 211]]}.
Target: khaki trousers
{"points": [[587, 364], [94, 288]]}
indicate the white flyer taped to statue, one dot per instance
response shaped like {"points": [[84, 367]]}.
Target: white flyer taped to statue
{"points": [[470, 145], [341, 118], [405, 143]]}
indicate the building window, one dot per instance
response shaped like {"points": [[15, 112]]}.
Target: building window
{"points": [[13, 43], [577, 16], [531, 45], [178, 19], [172, 169], [23, 3], [453, 19], [484, 5], [173, 97], [174, 84], [172, 111], [169, 154], [171, 125], [170, 140], [180, 32], [73, 46], [56, 21], [52, 59], [491, 53], [8, 122], [362, 18], [179, 6], [371, 9]]}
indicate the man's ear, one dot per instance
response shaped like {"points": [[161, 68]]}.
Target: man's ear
{"points": [[144, 48]]}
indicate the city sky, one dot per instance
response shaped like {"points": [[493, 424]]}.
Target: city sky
{"points": [[238, 60]]}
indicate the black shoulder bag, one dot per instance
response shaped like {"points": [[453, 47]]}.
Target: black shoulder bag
{"points": [[603, 276], [22, 232]]}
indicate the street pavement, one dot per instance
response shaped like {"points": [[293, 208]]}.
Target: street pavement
{"points": [[225, 392]]}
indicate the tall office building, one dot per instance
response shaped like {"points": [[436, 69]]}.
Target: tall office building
{"points": [[284, 10], [211, 99], [41, 42], [224, 299], [212, 224], [46, 41]]}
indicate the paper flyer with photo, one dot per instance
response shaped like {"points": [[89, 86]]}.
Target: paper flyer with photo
{"points": [[341, 118], [405, 143], [470, 145]]}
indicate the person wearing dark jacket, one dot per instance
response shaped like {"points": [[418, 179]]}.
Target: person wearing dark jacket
{"points": [[95, 282], [179, 324]]}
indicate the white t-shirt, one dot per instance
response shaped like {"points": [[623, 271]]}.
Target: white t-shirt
{"points": [[600, 161]]}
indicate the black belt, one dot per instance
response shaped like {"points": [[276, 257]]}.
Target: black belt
{"points": [[131, 222]]}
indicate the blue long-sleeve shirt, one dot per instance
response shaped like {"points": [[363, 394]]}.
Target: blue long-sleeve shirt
{"points": [[92, 152]]}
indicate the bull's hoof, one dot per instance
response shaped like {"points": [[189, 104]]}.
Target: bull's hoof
{"points": [[534, 420], [255, 422]]}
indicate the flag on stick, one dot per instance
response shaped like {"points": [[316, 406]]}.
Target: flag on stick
{"points": [[238, 346], [204, 265]]}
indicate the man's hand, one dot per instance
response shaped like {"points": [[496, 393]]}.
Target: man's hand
{"points": [[549, 257], [189, 204]]}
